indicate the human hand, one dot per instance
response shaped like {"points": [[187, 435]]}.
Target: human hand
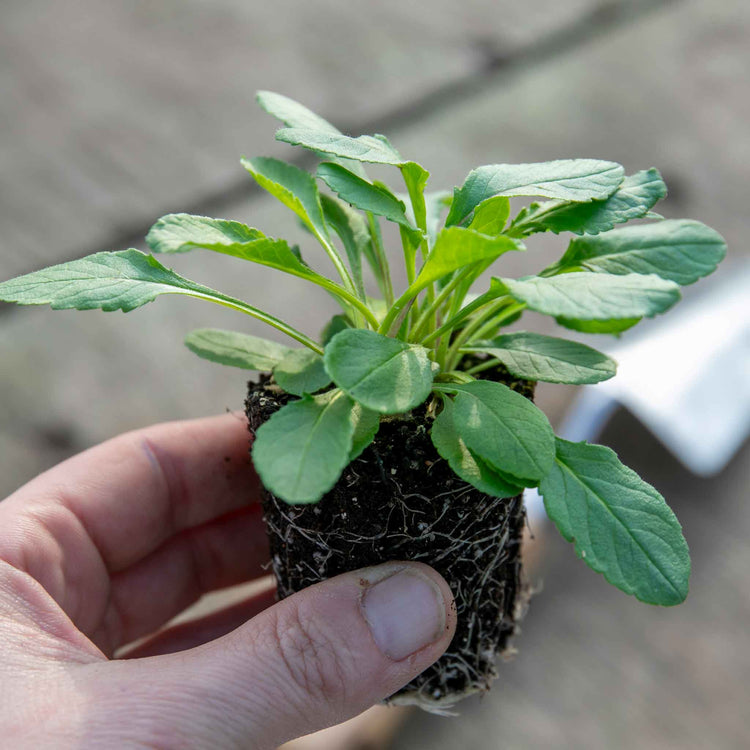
{"points": [[109, 546]]}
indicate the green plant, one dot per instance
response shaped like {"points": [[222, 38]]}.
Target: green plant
{"points": [[387, 355]]}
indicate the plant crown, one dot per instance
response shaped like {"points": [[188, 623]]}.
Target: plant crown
{"points": [[427, 342]]}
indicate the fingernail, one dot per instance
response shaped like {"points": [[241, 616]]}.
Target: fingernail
{"points": [[405, 612]]}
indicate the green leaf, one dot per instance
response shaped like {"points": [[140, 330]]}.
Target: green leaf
{"points": [[295, 115], [567, 179], [352, 229], [457, 247], [374, 149], [300, 452], [384, 374], [435, 204], [110, 281], [491, 215], [613, 327], [594, 296], [292, 113], [178, 233], [123, 281], [301, 371], [363, 194], [552, 360], [294, 187], [415, 178], [504, 429], [378, 306], [680, 250], [620, 525], [236, 349], [464, 463], [633, 199], [335, 325], [366, 425]]}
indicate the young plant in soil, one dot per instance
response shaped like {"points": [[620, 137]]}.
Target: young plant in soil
{"points": [[407, 429]]}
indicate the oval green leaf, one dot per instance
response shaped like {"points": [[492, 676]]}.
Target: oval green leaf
{"points": [[296, 115], [292, 113], [178, 233], [680, 250], [363, 194], [294, 187], [457, 247], [611, 327], [123, 280], [464, 463], [633, 199], [375, 149], [491, 215], [381, 373], [366, 425], [546, 358], [300, 452], [504, 429], [301, 371], [594, 296], [620, 525], [566, 179], [236, 349]]}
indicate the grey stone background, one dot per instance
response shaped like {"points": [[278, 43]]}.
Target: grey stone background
{"points": [[112, 114]]}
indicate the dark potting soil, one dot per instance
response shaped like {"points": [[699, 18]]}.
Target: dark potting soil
{"points": [[400, 501]]}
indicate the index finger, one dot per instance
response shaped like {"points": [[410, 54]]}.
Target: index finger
{"points": [[139, 489]]}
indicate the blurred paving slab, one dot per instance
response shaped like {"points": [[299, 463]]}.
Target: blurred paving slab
{"points": [[114, 113]]}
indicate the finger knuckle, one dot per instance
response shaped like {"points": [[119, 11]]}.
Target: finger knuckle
{"points": [[313, 658]]}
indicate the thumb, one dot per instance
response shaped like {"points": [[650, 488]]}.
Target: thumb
{"points": [[313, 660]]}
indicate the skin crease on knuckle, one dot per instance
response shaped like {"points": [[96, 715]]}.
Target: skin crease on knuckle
{"points": [[315, 677]]}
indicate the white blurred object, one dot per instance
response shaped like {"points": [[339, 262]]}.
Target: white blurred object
{"points": [[687, 378]]}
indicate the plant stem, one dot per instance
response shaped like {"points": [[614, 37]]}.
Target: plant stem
{"points": [[360, 310], [410, 255], [356, 303], [483, 323], [459, 317], [395, 309], [377, 244], [482, 366], [495, 323], [279, 325], [433, 307], [455, 376]]}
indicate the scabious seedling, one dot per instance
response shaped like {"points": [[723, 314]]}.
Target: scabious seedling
{"points": [[388, 354]]}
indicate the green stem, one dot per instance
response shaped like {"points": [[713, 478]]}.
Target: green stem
{"points": [[347, 296], [377, 244], [410, 255], [455, 376], [419, 208], [478, 322], [483, 323], [360, 310], [493, 324], [459, 317], [396, 308], [431, 308], [279, 325], [337, 261], [488, 365]]}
